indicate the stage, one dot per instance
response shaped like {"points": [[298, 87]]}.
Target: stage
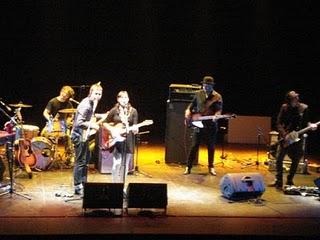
{"points": [[195, 206]]}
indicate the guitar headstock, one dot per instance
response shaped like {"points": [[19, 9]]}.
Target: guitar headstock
{"points": [[233, 115], [147, 122], [229, 115]]}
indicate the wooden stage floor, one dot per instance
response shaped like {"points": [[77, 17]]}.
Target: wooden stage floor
{"points": [[196, 207]]}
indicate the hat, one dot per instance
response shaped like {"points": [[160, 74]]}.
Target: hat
{"points": [[207, 80]]}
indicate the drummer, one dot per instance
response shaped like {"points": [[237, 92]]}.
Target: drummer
{"points": [[58, 122]]}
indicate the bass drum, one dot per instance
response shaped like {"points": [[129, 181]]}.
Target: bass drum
{"points": [[42, 149]]}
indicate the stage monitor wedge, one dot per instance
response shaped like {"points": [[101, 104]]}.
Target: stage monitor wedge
{"points": [[102, 195], [147, 195]]}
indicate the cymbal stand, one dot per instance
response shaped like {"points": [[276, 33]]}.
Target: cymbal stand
{"points": [[9, 151], [56, 158], [136, 168]]}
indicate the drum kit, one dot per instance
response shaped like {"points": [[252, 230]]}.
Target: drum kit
{"points": [[35, 151]]}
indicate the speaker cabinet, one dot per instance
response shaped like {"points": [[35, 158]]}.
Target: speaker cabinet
{"points": [[147, 195], [178, 136], [238, 186], [102, 195]]}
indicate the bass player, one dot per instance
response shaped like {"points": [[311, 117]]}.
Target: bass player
{"points": [[292, 117], [206, 102]]}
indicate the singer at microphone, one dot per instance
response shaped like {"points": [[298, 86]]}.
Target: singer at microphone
{"points": [[74, 101]]}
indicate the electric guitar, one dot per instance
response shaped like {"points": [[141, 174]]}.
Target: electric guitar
{"points": [[117, 133], [293, 136], [196, 119], [87, 133]]}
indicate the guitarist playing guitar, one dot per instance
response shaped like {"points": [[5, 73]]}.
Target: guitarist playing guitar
{"points": [[292, 118], [125, 116], [84, 123], [206, 102]]}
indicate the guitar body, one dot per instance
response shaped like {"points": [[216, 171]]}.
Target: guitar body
{"points": [[24, 155], [117, 133]]}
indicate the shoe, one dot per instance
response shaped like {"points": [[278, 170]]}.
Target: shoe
{"points": [[212, 171], [290, 183], [275, 184], [78, 189], [187, 171]]}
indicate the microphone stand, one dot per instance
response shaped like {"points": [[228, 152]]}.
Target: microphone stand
{"points": [[223, 156], [136, 168], [9, 153]]}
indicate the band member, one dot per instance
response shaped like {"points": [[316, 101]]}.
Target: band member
{"points": [[84, 127], [206, 102], [123, 117], [59, 124], [292, 117], [57, 120]]}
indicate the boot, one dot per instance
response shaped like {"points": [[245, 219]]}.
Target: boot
{"points": [[187, 171], [289, 182], [212, 171], [276, 184]]}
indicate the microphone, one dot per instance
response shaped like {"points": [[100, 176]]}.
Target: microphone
{"points": [[75, 101], [5, 105]]}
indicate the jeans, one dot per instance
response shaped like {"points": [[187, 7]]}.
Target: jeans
{"points": [[80, 170], [120, 166]]}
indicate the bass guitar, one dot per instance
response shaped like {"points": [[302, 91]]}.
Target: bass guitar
{"points": [[292, 137], [196, 119], [117, 133]]}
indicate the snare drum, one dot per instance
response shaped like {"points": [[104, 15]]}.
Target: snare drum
{"points": [[27, 131], [42, 149]]}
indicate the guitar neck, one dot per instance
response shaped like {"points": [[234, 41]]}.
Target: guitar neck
{"points": [[212, 117], [302, 131], [138, 125]]}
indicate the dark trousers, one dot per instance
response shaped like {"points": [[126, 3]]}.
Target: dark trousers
{"points": [[80, 170], [207, 135], [295, 152]]}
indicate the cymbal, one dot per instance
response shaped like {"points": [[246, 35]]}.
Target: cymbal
{"points": [[68, 110], [20, 105]]}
